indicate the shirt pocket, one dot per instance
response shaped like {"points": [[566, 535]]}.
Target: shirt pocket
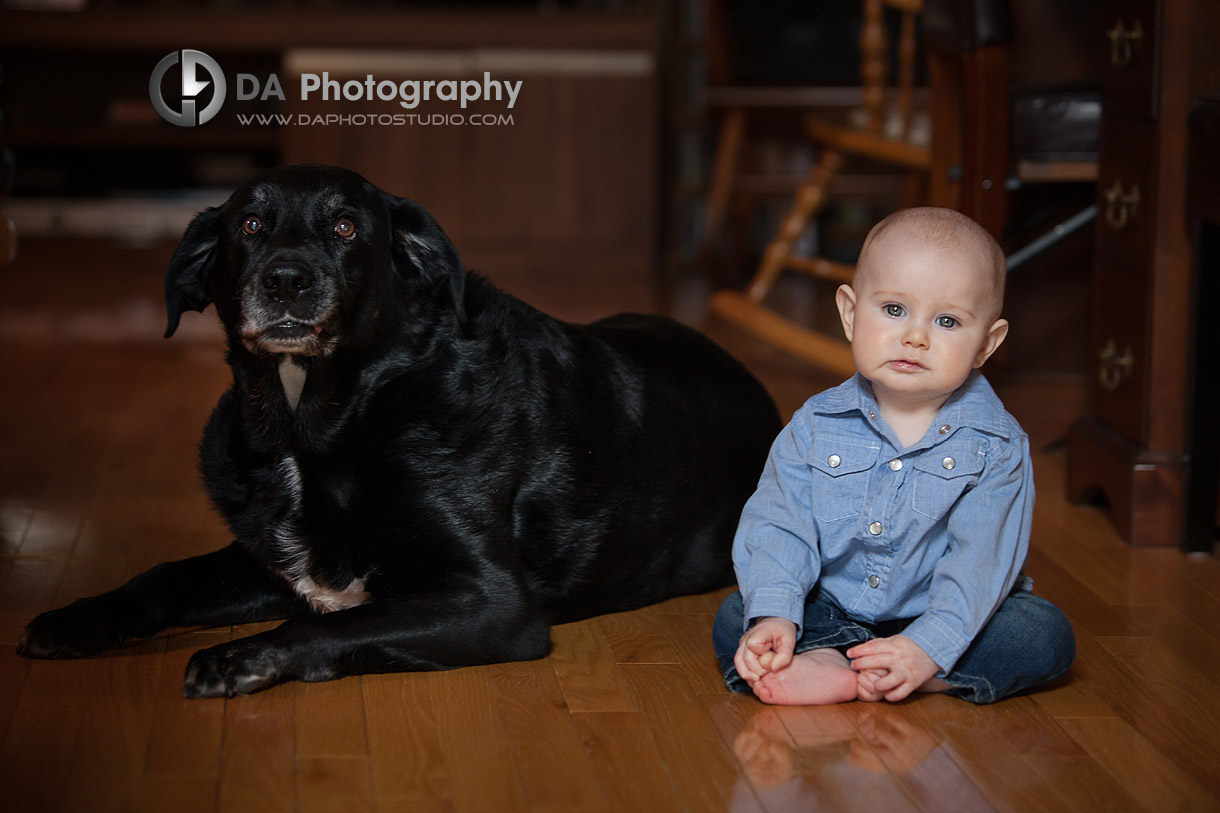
{"points": [[840, 469], [943, 474]]}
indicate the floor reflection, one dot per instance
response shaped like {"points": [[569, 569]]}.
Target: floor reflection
{"points": [[829, 756]]}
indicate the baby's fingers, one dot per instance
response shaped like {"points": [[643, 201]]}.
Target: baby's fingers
{"points": [[877, 662], [894, 686], [874, 646], [748, 666]]}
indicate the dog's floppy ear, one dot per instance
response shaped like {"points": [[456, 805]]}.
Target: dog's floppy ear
{"points": [[419, 240], [186, 279]]}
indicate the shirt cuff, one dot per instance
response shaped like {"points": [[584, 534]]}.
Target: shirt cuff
{"points": [[770, 602], [941, 642]]}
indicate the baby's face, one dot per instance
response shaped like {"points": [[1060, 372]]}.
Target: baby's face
{"points": [[923, 317]]}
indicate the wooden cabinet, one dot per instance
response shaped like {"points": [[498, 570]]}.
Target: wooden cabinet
{"points": [[1132, 447]]}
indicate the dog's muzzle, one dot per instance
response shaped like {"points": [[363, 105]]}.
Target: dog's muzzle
{"points": [[287, 309]]}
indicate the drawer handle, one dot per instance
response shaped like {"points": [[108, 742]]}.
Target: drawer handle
{"points": [[1121, 206], [1124, 43], [1115, 366]]}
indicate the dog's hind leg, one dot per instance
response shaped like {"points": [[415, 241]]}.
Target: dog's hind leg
{"points": [[421, 633], [227, 586]]}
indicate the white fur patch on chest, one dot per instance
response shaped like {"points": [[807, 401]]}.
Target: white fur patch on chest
{"points": [[294, 555], [326, 599], [292, 377]]}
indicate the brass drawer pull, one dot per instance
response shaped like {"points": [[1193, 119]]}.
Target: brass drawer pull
{"points": [[1115, 366], [1121, 206], [1124, 43]]}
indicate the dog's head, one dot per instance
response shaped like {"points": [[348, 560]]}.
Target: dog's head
{"points": [[305, 257]]}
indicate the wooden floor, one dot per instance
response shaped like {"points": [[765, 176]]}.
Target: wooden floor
{"points": [[98, 422]]}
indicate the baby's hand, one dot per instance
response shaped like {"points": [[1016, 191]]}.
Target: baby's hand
{"points": [[765, 647], [898, 665]]}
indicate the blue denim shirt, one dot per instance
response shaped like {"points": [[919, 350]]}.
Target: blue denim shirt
{"points": [[937, 531]]}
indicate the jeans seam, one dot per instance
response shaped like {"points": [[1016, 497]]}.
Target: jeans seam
{"points": [[974, 684]]}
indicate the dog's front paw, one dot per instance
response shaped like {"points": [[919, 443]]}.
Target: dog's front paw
{"points": [[238, 667], [85, 627]]}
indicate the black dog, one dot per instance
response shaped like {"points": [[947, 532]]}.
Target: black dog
{"points": [[422, 472]]}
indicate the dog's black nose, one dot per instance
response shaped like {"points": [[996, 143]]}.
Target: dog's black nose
{"points": [[285, 283]]}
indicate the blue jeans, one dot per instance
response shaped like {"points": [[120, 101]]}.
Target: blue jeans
{"points": [[1028, 642]]}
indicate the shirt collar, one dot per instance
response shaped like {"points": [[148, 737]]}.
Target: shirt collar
{"points": [[974, 404]]}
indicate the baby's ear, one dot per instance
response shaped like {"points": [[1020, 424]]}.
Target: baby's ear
{"points": [[845, 298], [995, 337]]}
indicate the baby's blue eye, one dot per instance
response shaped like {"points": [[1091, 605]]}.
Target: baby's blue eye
{"points": [[895, 310], [946, 321]]}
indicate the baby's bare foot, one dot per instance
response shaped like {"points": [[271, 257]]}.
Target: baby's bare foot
{"points": [[814, 678]]}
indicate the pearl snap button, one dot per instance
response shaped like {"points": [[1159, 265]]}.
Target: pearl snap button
{"points": [[873, 581], [833, 461], [944, 430], [895, 465], [874, 528], [948, 463]]}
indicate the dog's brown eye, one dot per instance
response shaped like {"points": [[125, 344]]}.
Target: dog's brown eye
{"points": [[251, 225], [345, 229]]}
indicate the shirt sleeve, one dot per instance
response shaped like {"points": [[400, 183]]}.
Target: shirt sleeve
{"points": [[989, 530], [775, 548]]}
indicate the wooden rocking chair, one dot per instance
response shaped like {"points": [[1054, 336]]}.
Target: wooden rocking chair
{"points": [[885, 135]]}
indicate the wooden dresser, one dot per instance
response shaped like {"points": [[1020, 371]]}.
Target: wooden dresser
{"points": [[1132, 448]]}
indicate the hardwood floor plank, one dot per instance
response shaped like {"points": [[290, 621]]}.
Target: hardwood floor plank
{"points": [[394, 805], [1189, 584], [180, 794], [36, 753], [258, 763], [330, 719], [550, 760], [701, 766], [587, 670], [52, 530], [29, 587], [16, 516], [1180, 649], [1070, 698], [691, 638], [636, 637], [334, 785], [404, 750], [1101, 558], [478, 754], [1180, 738], [108, 761], [1088, 611], [1139, 768], [13, 672], [1079, 782], [625, 762], [186, 734], [993, 746]]}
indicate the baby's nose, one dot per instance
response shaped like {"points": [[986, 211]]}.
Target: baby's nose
{"points": [[915, 337]]}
